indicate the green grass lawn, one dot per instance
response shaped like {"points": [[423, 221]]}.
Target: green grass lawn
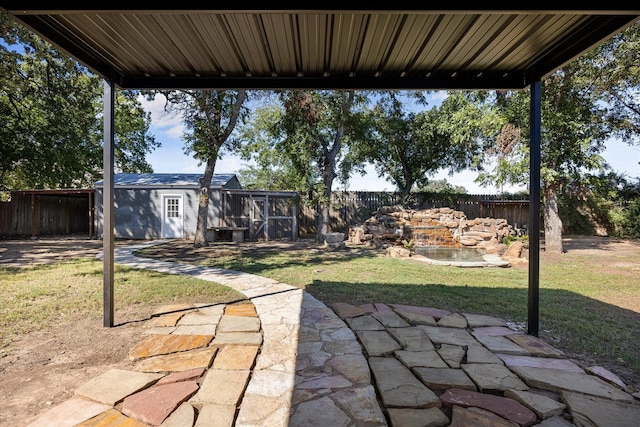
{"points": [[34, 298], [589, 307]]}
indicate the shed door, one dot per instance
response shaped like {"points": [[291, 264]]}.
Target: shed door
{"points": [[172, 227]]}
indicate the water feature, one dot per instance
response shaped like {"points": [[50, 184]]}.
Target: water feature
{"points": [[429, 235], [451, 254], [434, 242], [458, 256]]}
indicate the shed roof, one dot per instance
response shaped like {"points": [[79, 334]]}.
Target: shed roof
{"points": [[165, 180]]}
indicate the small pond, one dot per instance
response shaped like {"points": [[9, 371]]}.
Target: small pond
{"points": [[451, 254], [460, 257]]}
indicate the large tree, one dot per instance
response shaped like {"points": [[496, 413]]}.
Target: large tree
{"points": [[311, 134], [592, 99], [612, 72], [395, 151], [585, 103], [573, 136], [51, 110], [210, 118], [316, 131], [409, 147]]}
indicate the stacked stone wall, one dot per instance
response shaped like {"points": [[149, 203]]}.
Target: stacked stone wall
{"points": [[392, 225]]}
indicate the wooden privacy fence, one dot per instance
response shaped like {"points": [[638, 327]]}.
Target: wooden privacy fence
{"points": [[33, 213], [351, 208]]}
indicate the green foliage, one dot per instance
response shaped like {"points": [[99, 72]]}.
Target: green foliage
{"points": [[573, 132], [511, 238], [612, 73], [409, 147], [604, 202], [627, 219], [133, 141], [585, 204], [210, 118], [408, 244], [573, 135], [394, 150], [305, 140], [273, 169], [52, 130], [586, 102], [625, 214], [441, 186]]}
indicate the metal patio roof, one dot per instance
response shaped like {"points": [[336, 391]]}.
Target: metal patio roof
{"points": [[399, 47]]}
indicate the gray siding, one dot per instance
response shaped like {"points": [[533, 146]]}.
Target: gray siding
{"points": [[138, 204], [214, 209], [138, 212]]}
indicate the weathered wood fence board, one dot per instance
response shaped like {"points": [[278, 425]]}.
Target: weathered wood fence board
{"points": [[354, 207], [47, 214]]}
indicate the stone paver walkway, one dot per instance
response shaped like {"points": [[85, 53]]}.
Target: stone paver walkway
{"points": [[283, 358]]}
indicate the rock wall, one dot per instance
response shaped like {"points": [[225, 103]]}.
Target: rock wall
{"points": [[431, 227]]}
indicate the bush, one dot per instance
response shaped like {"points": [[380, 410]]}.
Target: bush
{"points": [[626, 219], [513, 238]]}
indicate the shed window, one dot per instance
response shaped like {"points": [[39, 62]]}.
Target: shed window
{"points": [[173, 208]]}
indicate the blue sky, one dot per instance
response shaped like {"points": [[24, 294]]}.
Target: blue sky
{"points": [[170, 158]]}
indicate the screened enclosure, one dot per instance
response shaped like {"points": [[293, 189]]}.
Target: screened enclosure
{"points": [[261, 215]]}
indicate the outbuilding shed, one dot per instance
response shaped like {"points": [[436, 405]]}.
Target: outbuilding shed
{"points": [[165, 205]]}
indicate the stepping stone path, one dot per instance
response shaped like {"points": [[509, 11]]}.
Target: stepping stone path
{"points": [[473, 370], [281, 358]]}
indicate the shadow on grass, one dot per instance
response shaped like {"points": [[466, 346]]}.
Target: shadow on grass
{"points": [[268, 260], [572, 243]]}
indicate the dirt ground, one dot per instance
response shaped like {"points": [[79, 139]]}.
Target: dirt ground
{"points": [[47, 366], [44, 368]]}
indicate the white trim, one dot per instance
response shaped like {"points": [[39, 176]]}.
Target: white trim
{"points": [[164, 198]]}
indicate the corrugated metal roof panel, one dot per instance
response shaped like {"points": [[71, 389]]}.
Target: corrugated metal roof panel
{"points": [[165, 179], [324, 49]]}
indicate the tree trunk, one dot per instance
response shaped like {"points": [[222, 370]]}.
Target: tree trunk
{"points": [[324, 218], [328, 168], [200, 239], [552, 221], [405, 192]]}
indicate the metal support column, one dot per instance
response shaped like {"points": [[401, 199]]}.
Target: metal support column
{"points": [[535, 114], [107, 203]]}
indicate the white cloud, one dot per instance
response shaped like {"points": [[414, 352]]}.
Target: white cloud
{"points": [[438, 96], [167, 122]]}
